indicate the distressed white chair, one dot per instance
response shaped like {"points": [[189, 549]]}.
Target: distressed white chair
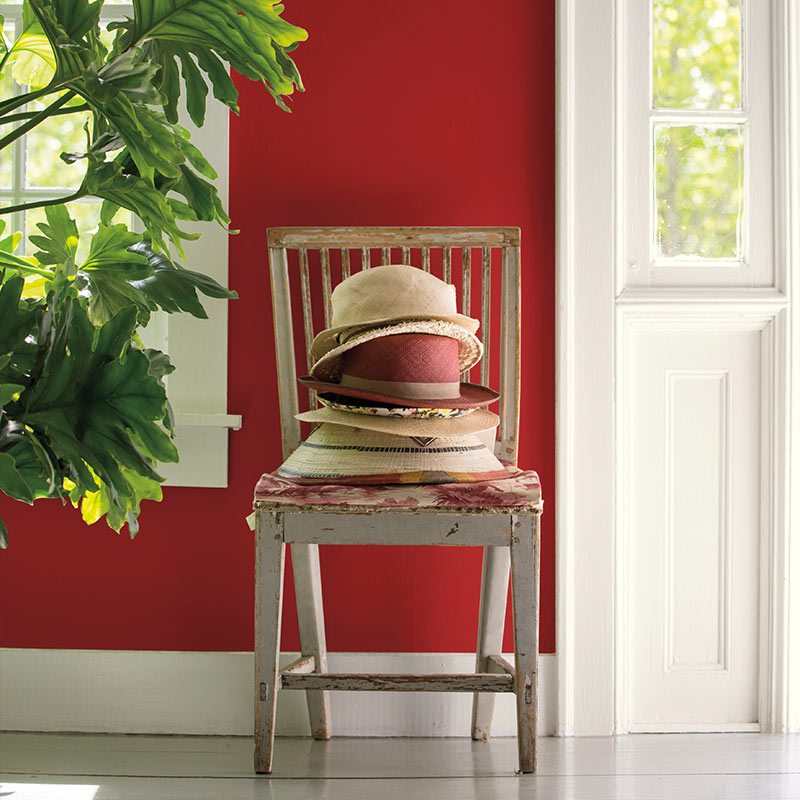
{"points": [[300, 258]]}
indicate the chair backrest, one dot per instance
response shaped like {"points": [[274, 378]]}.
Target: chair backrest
{"points": [[307, 263]]}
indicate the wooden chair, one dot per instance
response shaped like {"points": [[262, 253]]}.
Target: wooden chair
{"points": [[302, 258]]}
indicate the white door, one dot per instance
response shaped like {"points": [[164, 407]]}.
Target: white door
{"points": [[677, 233], [694, 525]]}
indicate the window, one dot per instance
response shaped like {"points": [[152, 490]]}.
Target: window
{"points": [[31, 171], [701, 177]]}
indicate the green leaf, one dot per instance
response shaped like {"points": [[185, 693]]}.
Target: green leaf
{"points": [[11, 482], [128, 73], [120, 509], [223, 86], [59, 241], [33, 463], [77, 17], [9, 392], [196, 88], [10, 243], [202, 200], [91, 402], [140, 196], [65, 23], [175, 289], [104, 277], [3, 535], [246, 33], [17, 321], [160, 365], [110, 293], [110, 249], [32, 57]]}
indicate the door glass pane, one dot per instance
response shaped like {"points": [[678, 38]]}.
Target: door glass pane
{"points": [[696, 54], [699, 191]]}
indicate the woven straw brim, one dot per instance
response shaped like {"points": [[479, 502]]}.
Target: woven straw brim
{"points": [[474, 422], [340, 454], [470, 347], [327, 340]]}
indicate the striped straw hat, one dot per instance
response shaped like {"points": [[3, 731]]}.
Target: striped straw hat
{"points": [[341, 454]]}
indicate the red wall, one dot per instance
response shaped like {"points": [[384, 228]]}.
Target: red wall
{"points": [[428, 114]]}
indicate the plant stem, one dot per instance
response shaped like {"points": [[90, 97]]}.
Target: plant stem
{"points": [[29, 268], [57, 113], [55, 201], [21, 99], [36, 119]]}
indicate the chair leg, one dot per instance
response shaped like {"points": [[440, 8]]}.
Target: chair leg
{"points": [[494, 592], [525, 599], [270, 551], [311, 624]]}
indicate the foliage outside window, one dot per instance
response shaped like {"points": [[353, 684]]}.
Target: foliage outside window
{"points": [[698, 131], [83, 409]]}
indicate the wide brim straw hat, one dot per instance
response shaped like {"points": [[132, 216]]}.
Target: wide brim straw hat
{"points": [[390, 293], [476, 421], [339, 454], [327, 373]]}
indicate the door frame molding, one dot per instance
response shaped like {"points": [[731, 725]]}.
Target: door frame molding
{"points": [[591, 576]]}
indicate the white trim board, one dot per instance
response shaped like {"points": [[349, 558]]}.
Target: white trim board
{"points": [[111, 691]]}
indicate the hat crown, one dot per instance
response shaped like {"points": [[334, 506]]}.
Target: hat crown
{"points": [[393, 291], [404, 357]]}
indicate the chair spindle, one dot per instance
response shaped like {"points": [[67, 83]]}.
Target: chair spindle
{"points": [[325, 266], [466, 259], [345, 263], [486, 308]]}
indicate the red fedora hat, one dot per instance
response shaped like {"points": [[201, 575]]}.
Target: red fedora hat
{"points": [[407, 369]]}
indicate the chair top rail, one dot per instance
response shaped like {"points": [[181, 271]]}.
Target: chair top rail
{"points": [[393, 237]]}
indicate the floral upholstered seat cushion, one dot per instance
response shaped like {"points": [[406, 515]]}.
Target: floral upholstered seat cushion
{"points": [[522, 489]]}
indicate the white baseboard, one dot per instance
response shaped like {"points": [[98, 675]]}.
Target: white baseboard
{"points": [[110, 691]]}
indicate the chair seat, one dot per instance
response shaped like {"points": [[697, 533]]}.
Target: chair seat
{"points": [[522, 489]]}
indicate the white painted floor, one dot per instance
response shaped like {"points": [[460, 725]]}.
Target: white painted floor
{"points": [[638, 767]]}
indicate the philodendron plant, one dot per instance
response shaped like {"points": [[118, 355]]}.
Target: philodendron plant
{"points": [[84, 415]]}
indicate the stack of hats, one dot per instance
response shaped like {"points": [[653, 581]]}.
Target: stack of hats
{"points": [[388, 376]]}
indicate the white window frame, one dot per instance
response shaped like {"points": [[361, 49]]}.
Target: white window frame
{"points": [[641, 269], [592, 304], [198, 348]]}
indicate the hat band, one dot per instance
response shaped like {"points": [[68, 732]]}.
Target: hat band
{"points": [[409, 389]]}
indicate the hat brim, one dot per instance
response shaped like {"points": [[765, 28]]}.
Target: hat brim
{"points": [[474, 422], [334, 454], [327, 340], [470, 395]]}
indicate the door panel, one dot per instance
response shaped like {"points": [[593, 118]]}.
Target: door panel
{"points": [[693, 503]]}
